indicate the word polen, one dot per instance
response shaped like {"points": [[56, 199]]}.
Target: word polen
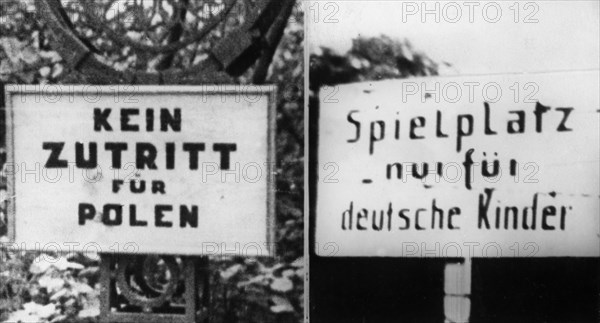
{"points": [[112, 215]]}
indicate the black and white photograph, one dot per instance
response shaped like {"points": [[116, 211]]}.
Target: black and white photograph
{"points": [[453, 161], [287, 161], [152, 161]]}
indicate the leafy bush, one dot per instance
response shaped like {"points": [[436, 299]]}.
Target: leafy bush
{"points": [[47, 288], [369, 59]]}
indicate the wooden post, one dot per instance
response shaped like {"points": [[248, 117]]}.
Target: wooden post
{"points": [[203, 268], [457, 289]]}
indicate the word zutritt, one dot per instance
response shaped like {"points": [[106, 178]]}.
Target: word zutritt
{"points": [[146, 155]]}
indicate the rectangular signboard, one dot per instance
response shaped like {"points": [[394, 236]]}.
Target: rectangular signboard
{"points": [[482, 166], [142, 169]]}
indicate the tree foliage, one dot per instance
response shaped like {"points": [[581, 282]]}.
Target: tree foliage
{"points": [[369, 59]]}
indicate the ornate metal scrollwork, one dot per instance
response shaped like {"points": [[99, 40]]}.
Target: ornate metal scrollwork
{"points": [[134, 270], [152, 288], [237, 50]]}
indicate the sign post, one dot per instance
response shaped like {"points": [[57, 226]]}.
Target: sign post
{"points": [[139, 170], [457, 289], [460, 168]]}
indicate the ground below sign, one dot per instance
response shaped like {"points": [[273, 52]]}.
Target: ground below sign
{"points": [[169, 170], [485, 166]]}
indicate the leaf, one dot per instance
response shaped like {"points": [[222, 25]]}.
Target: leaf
{"points": [[39, 265], [281, 305], [38, 310], [30, 307], [63, 264], [11, 47], [23, 317], [27, 77], [89, 312], [134, 35], [43, 262], [5, 69], [19, 51], [82, 288], [254, 280], [29, 55], [91, 308], [51, 284], [230, 272], [288, 273], [90, 272], [298, 263], [91, 301], [56, 296], [273, 269], [57, 71], [45, 312], [282, 285], [59, 318], [53, 56], [45, 71]]}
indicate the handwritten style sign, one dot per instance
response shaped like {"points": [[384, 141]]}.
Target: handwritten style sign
{"points": [[485, 166], [170, 170]]}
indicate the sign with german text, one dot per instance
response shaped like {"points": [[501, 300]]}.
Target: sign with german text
{"points": [[141, 169], [482, 166]]}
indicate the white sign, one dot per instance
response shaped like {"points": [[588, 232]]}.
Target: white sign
{"points": [[486, 166], [169, 169]]}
